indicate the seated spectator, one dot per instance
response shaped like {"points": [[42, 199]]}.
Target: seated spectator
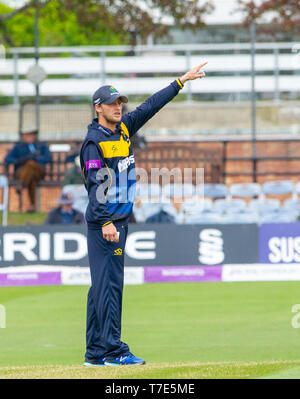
{"points": [[65, 213], [76, 146], [161, 217], [166, 213], [73, 175], [30, 157]]}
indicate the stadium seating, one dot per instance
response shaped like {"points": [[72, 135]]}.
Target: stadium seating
{"points": [[193, 208], [236, 203], [228, 205], [212, 191], [264, 205], [292, 205], [148, 192], [204, 218], [240, 217], [280, 216], [245, 190], [278, 187], [148, 201], [179, 191]]}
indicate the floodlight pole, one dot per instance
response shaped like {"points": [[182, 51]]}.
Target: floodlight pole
{"points": [[36, 56], [253, 98]]}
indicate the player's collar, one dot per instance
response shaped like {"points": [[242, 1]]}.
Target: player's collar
{"points": [[104, 129]]}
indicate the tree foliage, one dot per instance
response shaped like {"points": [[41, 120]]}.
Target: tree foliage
{"points": [[283, 14], [121, 17], [78, 22], [57, 28]]}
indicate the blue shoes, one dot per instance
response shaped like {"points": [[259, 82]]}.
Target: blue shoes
{"points": [[94, 362], [124, 360]]}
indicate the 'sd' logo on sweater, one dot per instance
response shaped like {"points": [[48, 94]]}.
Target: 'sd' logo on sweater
{"points": [[114, 148], [93, 164]]}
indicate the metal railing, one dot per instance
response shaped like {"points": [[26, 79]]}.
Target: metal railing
{"points": [[89, 66]]}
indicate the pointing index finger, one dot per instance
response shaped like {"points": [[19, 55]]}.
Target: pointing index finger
{"points": [[202, 65]]}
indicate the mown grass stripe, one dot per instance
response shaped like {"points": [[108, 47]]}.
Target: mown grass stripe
{"points": [[210, 370]]}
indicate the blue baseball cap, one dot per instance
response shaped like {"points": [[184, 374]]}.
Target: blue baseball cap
{"points": [[107, 95]]}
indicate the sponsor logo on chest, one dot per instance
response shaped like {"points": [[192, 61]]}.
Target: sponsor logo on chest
{"points": [[124, 163]]}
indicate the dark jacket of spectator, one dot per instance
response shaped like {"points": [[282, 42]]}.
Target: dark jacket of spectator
{"points": [[160, 217], [65, 213], [23, 152], [57, 216]]}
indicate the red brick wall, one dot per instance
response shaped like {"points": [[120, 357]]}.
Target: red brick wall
{"points": [[268, 167], [47, 198]]}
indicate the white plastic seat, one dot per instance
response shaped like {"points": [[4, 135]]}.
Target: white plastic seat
{"points": [[203, 218], [264, 205], [245, 190], [278, 187], [280, 216], [148, 192], [292, 205], [229, 205], [178, 190], [213, 191], [142, 190], [196, 206]]}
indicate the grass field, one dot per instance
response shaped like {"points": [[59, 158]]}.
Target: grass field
{"points": [[204, 330], [23, 218]]}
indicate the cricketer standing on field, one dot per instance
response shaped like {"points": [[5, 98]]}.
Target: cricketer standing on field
{"points": [[108, 168]]}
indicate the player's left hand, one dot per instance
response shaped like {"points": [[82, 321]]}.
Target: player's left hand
{"points": [[194, 73], [110, 233]]}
